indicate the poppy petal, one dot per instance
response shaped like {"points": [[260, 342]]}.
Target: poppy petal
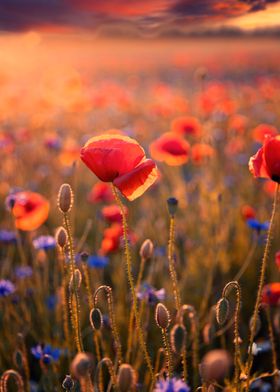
{"points": [[271, 157], [135, 183], [171, 149], [257, 165], [110, 156]]}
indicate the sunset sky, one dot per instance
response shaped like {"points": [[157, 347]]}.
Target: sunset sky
{"points": [[136, 17]]}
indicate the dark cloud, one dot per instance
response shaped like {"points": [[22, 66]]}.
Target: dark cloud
{"points": [[149, 15]]}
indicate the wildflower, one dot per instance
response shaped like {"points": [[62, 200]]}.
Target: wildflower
{"points": [[6, 288], [113, 213], [44, 242], [23, 272], [171, 385], [248, 212], [30, 210], [98, 262], [257, 225], [266, 162], [7, 236], [262, 131], [277, 259], [271, 293], [201, 152], [186, 126], [40, 351], [120, 160], [100, 192], [171, 149], [150, 294], [51, 302]]}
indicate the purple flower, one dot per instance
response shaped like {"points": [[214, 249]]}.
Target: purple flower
{"points": [[6, 288], [23, 272], [149, 293], [171, 385], [7, 236], [40, 352], [51, 302], [256, 225], [44, 242]]}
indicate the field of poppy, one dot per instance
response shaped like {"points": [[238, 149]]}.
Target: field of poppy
{"points": [[139, 231]]}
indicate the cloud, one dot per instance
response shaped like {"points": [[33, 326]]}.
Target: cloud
{"points": [[118, 15]]}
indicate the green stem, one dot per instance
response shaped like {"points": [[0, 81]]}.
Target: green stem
{"points": [[132, 288], [260, 287], [172, 270]]}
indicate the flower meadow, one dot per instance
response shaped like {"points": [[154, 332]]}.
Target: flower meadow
{"points": [[139, 231]]}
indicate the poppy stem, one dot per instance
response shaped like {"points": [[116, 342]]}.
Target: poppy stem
{"points": [[273, 348], [132, 287], [172, 270], [260, 287], [74, 299], [167, 351]]}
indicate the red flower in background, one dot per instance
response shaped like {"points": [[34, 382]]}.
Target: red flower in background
{"points": [[262, 131], [266, 162], [277, 259], [100, 192], [112, 238], [122, 161], [201, 152], [271, 294], [248, 212], [113, 213], [30, 210], [171, 149], [186, 125]]}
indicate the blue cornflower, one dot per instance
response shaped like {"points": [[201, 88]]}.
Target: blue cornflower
{"points": [[51, 302], [7, 236], [151, 294], [257, 225], [44, 242], [40, 352], [23, 272], [96, 261], [6, 288], [160, 251], [171, 385]]}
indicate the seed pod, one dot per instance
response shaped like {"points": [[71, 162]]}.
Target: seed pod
{"points": [[147, 249], [172, 205], [84, 257], [78, 280], [222, 310], [126, 380], [65, 198], [68, 383], [96, 318], [61, 237], [162, 316], [178, 338], [81, 365]]}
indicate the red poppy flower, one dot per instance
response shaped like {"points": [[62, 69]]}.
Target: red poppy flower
{"points": [[262, 131], [186, 125], [266, 162], [111, 238], [171, 149], [122, 161], [100, 192], [277, 259], [201, 152], [30, 210], [269, 187], [113, 213], [271, 294], [248, 212]]}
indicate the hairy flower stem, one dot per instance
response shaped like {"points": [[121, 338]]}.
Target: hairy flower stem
{"points": [[172, 270], [237, 355], [167, 352], [74, 299], [273, 348], [260, 287], [132, 287], [131, 316]]}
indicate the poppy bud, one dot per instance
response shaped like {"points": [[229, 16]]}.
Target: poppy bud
{"points": [[211, 388], [172, 205], [18, 359], [65, 198], [81, 365], [61, 237], [96, 318], [162, 316], [222, 310], [68, 383], [126, 378], [78, 279], [178, 338], [147, 249]]}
